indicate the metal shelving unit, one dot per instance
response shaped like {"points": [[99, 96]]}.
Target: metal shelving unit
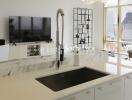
{"points": [[82, 27]]}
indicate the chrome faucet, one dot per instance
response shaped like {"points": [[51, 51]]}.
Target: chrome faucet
{"points": [[59, 46]]}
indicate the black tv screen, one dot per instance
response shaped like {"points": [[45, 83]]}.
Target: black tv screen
{"points": [[29, 29]]}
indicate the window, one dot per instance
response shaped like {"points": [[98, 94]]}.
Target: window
{"points": [[111, 3], [125, 2], [118, 28], [111, 24], [111, 29], [126, 20]]}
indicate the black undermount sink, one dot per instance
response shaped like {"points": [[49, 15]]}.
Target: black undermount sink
{"points": [[69, 79]]}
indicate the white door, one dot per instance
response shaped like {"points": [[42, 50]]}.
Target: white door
{"points": [[128, 87], [110, 91]]}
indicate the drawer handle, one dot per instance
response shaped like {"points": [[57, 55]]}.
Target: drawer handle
{"points": [[88, 92], [100, 88], [110, 84], [72, 98], [128, 77]]}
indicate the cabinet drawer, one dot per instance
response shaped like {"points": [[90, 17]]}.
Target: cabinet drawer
{"points": [[128, 87], [71, 98], [84, 95], [110, 90], [116, 84]]}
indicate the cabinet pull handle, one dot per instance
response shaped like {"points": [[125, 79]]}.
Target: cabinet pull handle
{"points": [[100, 88], [128, 77], [88, 92], [72, 98], [110, 84]]}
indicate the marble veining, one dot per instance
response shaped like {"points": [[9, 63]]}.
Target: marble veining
{"points": [[14, 67]]}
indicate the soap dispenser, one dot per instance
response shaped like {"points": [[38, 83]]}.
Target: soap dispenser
{"points": [[76, 57]]}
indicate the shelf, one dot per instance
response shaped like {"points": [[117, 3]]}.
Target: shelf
{"points": [[82, 33], [83, 44], [83, 20], [83, 24], [83, 14], [81, 9], [83, 29]]}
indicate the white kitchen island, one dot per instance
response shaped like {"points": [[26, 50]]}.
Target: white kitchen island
{"points": [[111, 87]]}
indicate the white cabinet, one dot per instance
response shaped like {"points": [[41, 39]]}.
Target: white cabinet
{"points": [[84, 95], [128, 87], [4, 53], [18, 52], [110, 91]]}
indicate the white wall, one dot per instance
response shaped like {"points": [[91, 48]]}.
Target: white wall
{"points": [[48, 8], [98, 25]]}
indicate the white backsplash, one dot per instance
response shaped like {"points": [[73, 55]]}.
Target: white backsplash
{"points": [[89, 58], [25, 65]]}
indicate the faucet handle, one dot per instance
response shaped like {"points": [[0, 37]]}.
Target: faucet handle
{"points": [[61, 54], [58, 64]]}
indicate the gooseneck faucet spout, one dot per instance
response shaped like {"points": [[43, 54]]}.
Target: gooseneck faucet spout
{"points": [[59, 46]]}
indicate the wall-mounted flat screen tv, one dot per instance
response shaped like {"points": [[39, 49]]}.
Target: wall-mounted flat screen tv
{"points": [[29, 29]]}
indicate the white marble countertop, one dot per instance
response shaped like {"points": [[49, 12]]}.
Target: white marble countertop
{"points": [[25, 87]]}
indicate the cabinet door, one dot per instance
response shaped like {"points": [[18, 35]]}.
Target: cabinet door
{"points": [[110, 91], [84, 95], [128, 87]]}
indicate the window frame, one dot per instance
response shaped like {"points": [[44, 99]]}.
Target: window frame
{"points": [[119, 33]]}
